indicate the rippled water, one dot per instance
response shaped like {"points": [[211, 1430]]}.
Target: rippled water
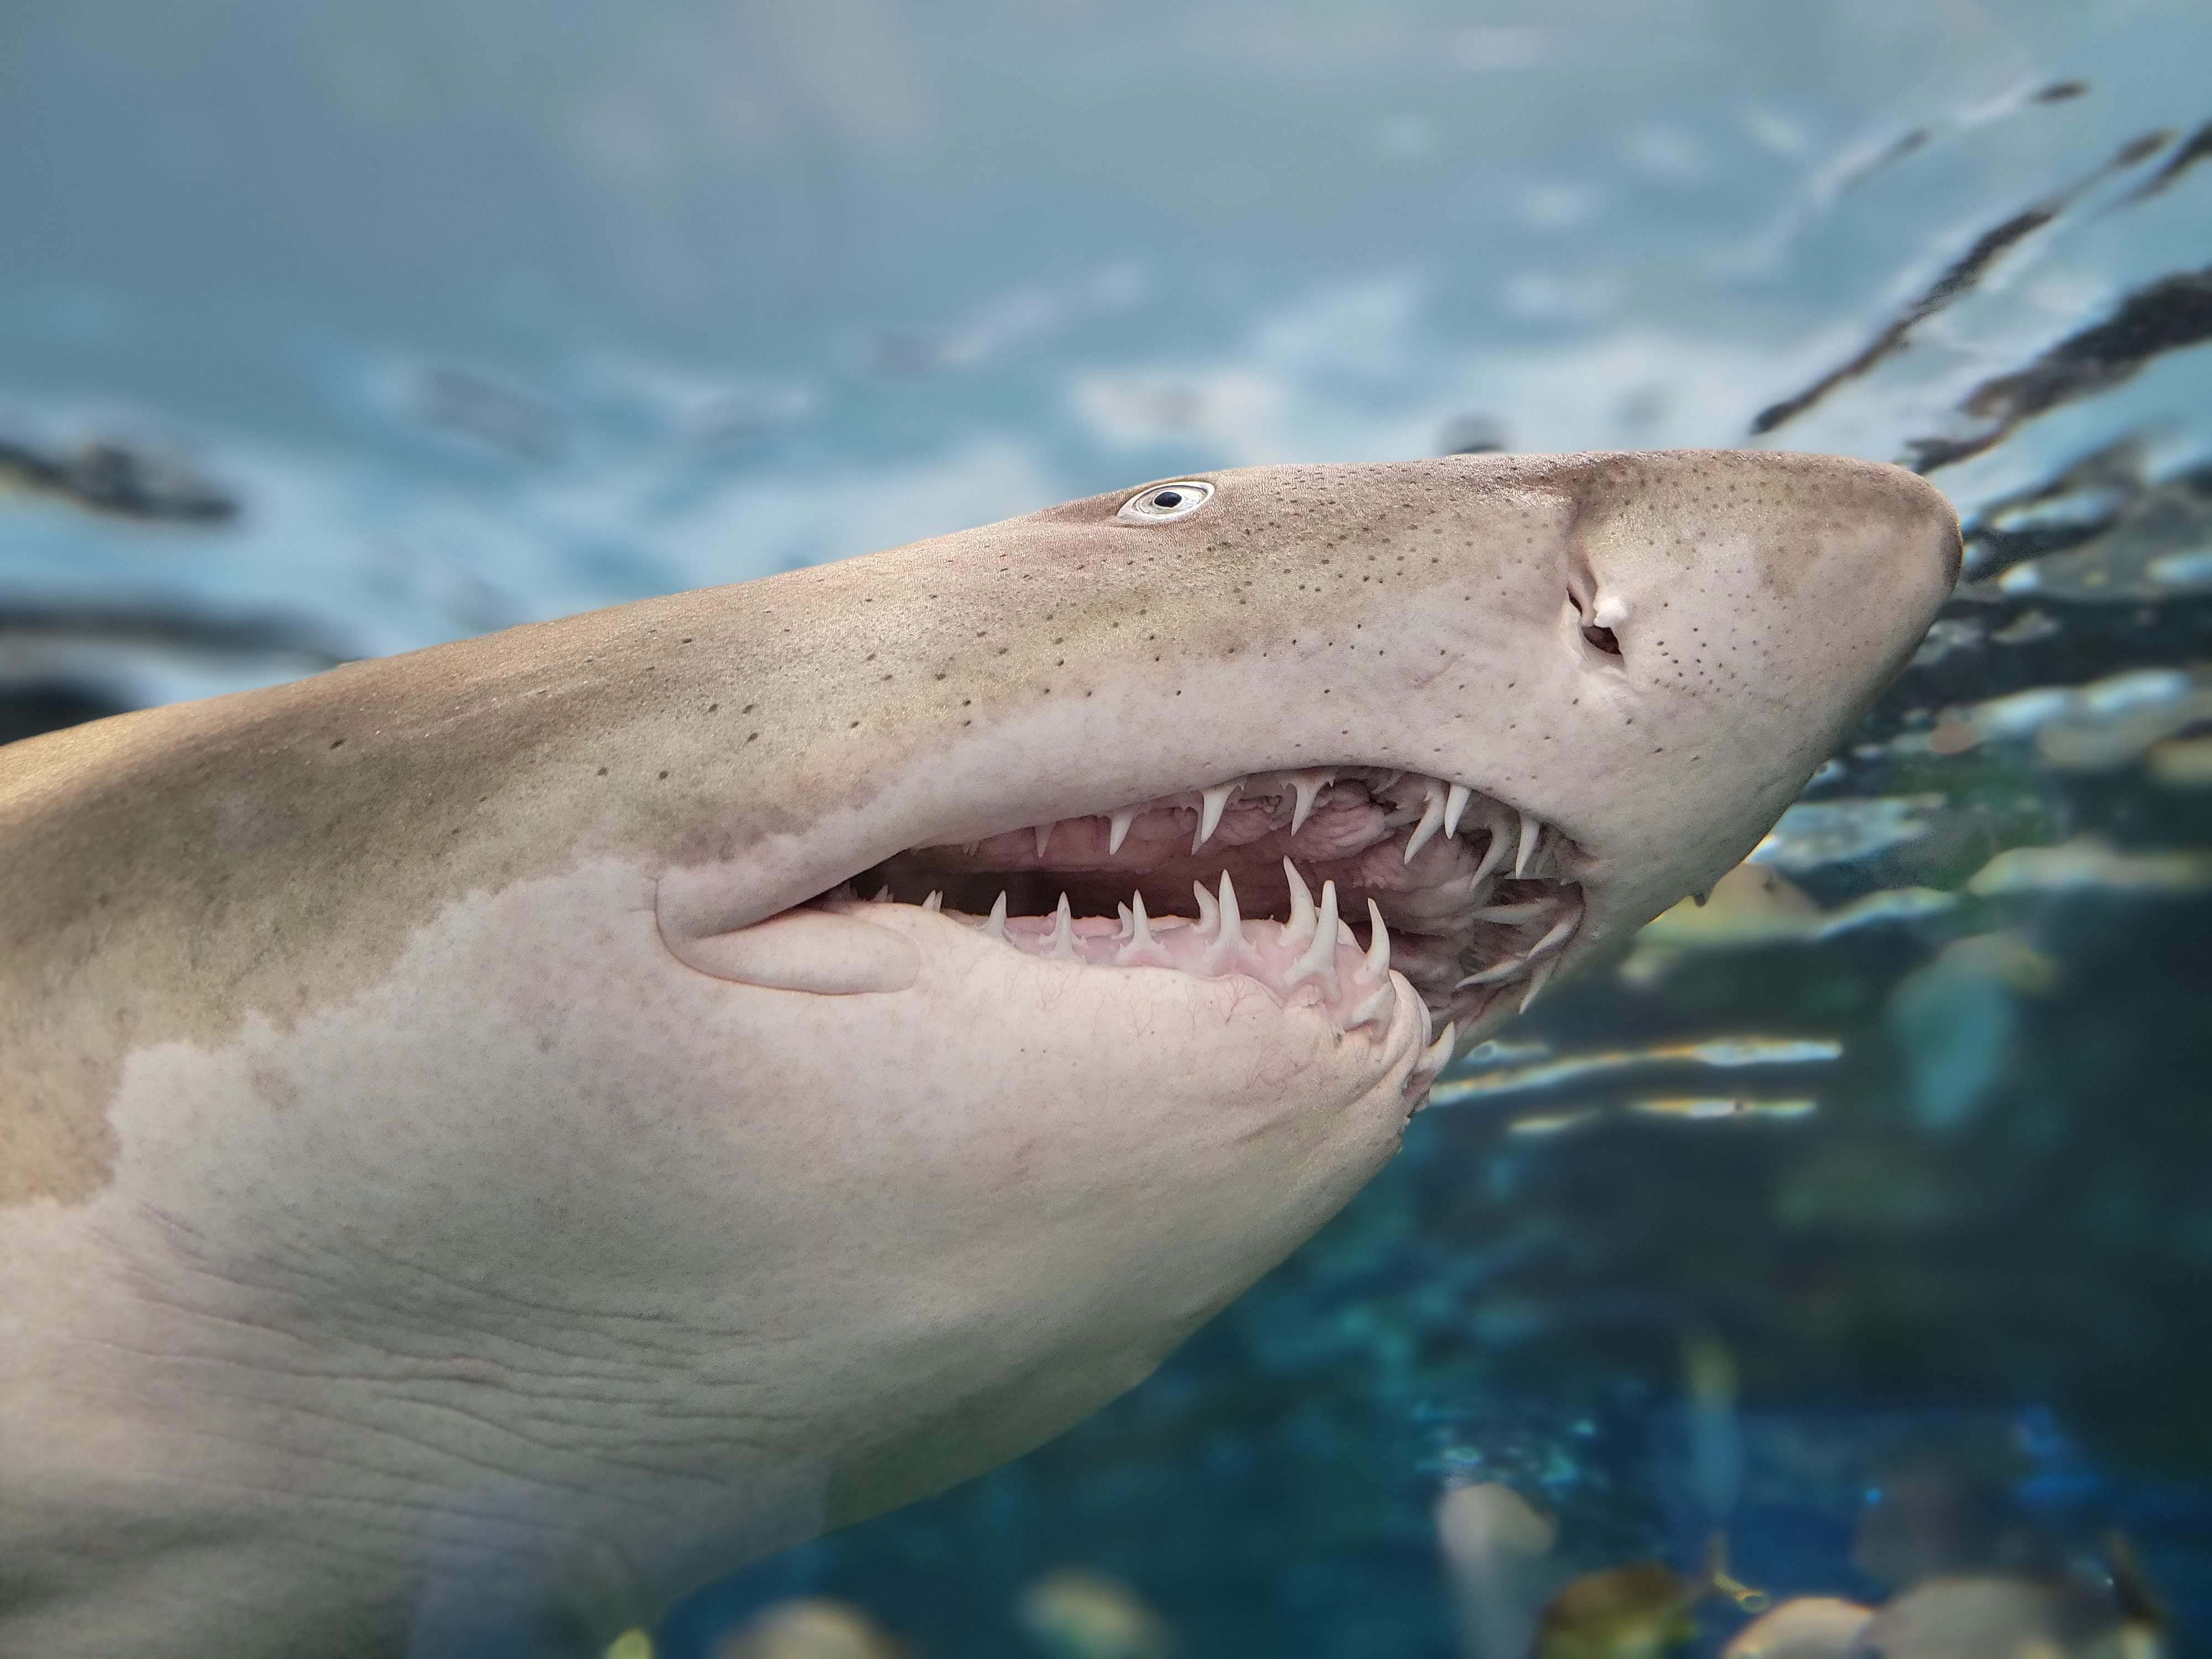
{"points": [[325, 335]]}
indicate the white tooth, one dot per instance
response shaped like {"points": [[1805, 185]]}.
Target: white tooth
{"points": [[970, 847], [995, 925], [1433, 1060], [1128, 924], [1378, 965], [934, 903], [1511, 968], [1299, 928], [1492, 855], [1514, 915], [883, 894], [1531, 830], [1063, 931], [1209, 913], [1117, 828], [1319, 962], [1455, 800], [1378, 1006], [1432, 817], [1544, 972], [1308, 786], [1043, 833], [1212, 802], [1562, 931], [1142, 951], [1228, 948]]}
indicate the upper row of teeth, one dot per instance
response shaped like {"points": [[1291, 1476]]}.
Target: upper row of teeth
{"points": [[1443, 806]]}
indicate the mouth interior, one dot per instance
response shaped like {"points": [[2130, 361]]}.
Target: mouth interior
{"points": [[1285, 878]]}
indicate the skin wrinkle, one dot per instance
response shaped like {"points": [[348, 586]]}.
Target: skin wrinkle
{"points": [[359, 1082]]}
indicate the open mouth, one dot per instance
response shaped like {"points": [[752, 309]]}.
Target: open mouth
{"points": [[1314, 884]]}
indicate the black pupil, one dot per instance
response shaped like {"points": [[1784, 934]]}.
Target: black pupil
{"points": [[1167, 498]]}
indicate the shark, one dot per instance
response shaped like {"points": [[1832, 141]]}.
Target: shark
{"points": [[493, 1137]]}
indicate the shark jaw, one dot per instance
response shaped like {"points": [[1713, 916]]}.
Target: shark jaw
{"points": [[1319, 885]]}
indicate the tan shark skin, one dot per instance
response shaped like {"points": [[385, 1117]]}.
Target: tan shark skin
{"points": [[397, 1229]]}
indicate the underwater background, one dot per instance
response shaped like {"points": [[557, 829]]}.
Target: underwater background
{"points": [[1862, 1215]]}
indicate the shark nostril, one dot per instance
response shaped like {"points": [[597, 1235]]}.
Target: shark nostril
{"points": [[1602, 638]]}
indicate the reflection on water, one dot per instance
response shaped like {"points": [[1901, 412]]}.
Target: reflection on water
{"points": [[1911, 1114]]}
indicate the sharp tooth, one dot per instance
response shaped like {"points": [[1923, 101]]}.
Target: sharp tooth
{"points": [[1209, 913], [1455, 800], [1514, 914], [970, 847], [1543, 973], [1212, 802], [1299, 930], [1142, 951], [933, 903], [1378, 1006], [1378, 965], [1511, 968], [1228, 948], [1117, 828], [1531, 832], [1063, 931], [1043, 833], [1308, 786], [1492, 855], [1432, 817], [1128, 924], [883, 894], [995, 925], [1433, 1060], [1319, 962], [1562, 931]]}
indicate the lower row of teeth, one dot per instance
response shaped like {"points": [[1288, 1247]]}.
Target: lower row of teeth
{"points": [[1311, 940]]}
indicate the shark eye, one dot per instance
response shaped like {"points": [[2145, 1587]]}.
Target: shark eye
{"points": [[1161, 502]]}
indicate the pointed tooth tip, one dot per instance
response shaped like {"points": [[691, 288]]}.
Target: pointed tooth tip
{"points": [[1117, 830], [934, 903], [1536, 983], [1455, 800], [1531, 834], [1297, 928], [1211, 803], [1378, 949]]}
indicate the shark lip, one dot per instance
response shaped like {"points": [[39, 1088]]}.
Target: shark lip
{"points": [[1318, 884]]}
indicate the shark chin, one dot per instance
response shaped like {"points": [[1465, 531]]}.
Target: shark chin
{"points": [[492, 1138]]}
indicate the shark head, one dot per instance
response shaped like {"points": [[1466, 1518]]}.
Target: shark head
{"points": [[1385, 747]]}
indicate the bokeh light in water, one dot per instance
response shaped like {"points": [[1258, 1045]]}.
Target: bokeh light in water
{"points": [[1862, 1214]]}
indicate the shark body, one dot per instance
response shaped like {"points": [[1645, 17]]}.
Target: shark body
{"points": [[597, 1103]]}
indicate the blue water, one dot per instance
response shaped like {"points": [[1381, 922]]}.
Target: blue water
{"points": [[489, 313]]}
